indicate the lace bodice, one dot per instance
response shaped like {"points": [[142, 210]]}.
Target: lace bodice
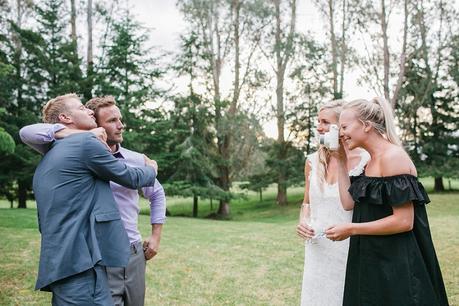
{"points": [[325, 201]]}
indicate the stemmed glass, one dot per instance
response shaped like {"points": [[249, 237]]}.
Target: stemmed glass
{"points": [[307, 218]]}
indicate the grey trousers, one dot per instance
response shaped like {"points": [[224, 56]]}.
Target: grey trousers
{"points": [[127, 285], [88, 288]]}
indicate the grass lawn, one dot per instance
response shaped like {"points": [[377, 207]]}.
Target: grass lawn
{"points": [[253, 259]]}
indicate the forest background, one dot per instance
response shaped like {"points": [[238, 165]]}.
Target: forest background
{"points": [[204, 110]]}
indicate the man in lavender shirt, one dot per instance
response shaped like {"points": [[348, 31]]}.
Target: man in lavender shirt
{"points": [[127, 285]]}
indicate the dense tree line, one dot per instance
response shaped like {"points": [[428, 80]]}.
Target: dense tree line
{"points": [[210, 134]]}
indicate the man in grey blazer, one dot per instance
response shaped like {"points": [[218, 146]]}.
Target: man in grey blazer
{"points": [[80, 225]]}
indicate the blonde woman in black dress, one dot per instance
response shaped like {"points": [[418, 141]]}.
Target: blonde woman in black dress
{"points": [[391, 259]]}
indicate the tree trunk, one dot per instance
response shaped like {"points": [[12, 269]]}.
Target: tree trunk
{"points": [[223, 208], [261, 194], [281, 184], [195, 206], [438, 185], [281, 198], [403, 58], [331, 15], [385, 50], [282, 60], [216, 61], [73, 34], [22, 194], [17, 57], [343, 53], [89, 55]]}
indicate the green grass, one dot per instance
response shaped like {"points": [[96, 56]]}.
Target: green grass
{"points": [[253, 259]]}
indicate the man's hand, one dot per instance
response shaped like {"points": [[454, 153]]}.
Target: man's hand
{"points": [[100, 134], [151, 163], [151, 247]]}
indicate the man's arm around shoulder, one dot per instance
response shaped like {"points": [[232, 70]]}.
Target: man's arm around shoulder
{"points": [[101, 162]]}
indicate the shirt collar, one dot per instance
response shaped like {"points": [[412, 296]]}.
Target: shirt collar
{"points": [[118, 153]]}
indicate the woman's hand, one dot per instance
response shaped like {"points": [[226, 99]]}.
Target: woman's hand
{"points": [[340, 154], [339, 232], [305, 231]]}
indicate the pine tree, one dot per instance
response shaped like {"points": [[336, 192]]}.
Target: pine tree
{"points": [[59, 58], [128, 72], [195, 171]]}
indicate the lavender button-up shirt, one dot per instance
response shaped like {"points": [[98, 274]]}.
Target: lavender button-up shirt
{"points": [[128, 199], [39, 136]]}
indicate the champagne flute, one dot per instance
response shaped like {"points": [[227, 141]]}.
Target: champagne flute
{"points": [[306, 218]]}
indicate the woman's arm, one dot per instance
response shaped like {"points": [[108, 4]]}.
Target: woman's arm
{"points": [[344, 181], [394, 162], [400, 221], [303, 230]]}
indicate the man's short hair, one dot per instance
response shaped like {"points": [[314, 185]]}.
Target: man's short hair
{"points": [[95, 104], [56, 106]]}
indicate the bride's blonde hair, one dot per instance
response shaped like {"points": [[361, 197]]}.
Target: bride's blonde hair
{"points": [[324, 153], [379, 114]]}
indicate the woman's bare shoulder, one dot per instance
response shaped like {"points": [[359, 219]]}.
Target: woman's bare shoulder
{"points": [[396, 161]]}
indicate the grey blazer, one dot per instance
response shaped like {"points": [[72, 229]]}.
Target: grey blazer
{"points": [[78, 218]]}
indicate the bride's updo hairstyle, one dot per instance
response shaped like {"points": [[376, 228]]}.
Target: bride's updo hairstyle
{"points": [[324, 153], [378, 113]]}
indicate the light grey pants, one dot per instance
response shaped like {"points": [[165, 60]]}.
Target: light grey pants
{"points": [[127, 285]]}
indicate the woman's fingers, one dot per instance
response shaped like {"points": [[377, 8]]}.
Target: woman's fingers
{"points": [[304, 231]]}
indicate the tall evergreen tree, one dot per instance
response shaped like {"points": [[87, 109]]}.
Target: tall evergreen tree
{"points": [[194, 165], [45, 65], [128, 72], [60, 58]]}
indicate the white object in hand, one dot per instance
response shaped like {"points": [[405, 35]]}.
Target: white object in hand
{"points": [[330, 139]]}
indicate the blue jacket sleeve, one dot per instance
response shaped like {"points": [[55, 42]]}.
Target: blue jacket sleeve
{"points": [[102, 163]]}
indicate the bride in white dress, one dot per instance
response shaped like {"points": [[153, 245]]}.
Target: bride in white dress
{"points": [[325, 260]]}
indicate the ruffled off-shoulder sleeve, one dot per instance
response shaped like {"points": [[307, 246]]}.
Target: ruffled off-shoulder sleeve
{"points": [[390, 190]]}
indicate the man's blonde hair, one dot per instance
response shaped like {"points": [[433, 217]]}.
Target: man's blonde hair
{"points": [[95, 104], [56, 106]]}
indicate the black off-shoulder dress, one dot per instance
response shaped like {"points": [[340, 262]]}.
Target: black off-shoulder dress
{"points": [[400, 269]]}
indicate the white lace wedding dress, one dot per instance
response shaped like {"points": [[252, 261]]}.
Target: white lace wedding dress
{"points": [[325, 260]]}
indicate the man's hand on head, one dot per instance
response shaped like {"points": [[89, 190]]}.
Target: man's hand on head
{"points": [[151, 163]]}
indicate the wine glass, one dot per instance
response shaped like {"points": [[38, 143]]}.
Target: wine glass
{"points": [[308, 219]]}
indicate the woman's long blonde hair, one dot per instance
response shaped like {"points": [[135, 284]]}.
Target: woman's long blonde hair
{"points": [[379, 114], [324, 153]]}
